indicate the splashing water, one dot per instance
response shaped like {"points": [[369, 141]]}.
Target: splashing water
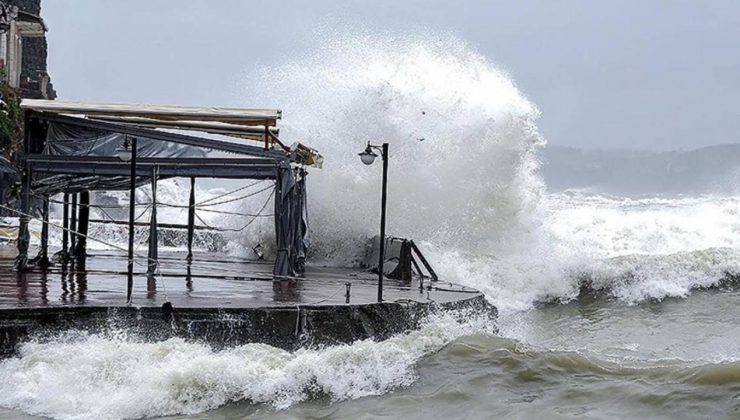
{"points": [[111, 376], [463, 147], [463, 151], [646, 248], [463, 160]]}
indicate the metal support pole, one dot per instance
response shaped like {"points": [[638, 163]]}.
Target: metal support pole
{"points": [[131, 209], [65, 227], [191, 220], [83, 224], [153, 255], [381, 258], [24, 238], [43, 258], [73, 227]]}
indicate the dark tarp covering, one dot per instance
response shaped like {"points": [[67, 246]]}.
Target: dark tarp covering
{"points": [[289, 222], [55, 184], [72, 140], [299, 208], [284, 220]]}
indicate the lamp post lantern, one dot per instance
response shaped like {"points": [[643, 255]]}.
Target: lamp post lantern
{"points": [[124, 152], [368, 157]]}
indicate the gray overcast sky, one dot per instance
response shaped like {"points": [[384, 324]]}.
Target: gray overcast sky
{"points": [[648, 74]]}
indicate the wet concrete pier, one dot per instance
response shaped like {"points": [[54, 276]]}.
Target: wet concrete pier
{"points": [[221, 300]]}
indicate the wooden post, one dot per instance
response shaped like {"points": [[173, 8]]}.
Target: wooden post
{"points": [[191, 220]]}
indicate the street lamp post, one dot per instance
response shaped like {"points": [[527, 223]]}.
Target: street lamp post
{"points": [[368, 157]]}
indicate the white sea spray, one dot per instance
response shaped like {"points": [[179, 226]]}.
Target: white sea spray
{"points": [[79, 375]]}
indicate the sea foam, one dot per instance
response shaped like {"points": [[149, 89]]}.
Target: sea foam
{"points": [[78, 375]]}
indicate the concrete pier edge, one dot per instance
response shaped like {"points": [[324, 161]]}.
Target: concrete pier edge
{"points": [[286, 327]]}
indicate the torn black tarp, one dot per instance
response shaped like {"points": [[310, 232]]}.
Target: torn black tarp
{"points": [[284, 221], [66, 154], [290, 223], [72, 140], [300, 224]]}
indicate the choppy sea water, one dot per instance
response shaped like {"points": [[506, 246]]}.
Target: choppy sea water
{"points": [[669, 350], [597, 359], [610, 307], [674, 359]]}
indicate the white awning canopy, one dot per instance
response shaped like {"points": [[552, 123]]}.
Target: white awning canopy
{"points": [[250, 132], [243, 123], [238, 116]]}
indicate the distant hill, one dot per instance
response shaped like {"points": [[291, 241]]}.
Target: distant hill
{"points": [[708, 170]]}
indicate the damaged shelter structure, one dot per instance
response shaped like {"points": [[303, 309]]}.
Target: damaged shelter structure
{"points": [[74, 148]]}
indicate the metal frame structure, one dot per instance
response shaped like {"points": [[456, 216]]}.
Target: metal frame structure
{"points": [[46, 171]]}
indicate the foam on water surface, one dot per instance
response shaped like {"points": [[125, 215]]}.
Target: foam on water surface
{"points": [[88, 376], [464, 150]]}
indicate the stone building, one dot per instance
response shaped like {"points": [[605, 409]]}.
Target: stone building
{"points": [[23, 48]]}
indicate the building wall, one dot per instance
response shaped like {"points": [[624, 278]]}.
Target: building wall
{"points": [[35, 52], [30, 6], [34, 64]]}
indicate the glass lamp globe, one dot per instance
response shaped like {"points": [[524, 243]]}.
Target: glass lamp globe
{"points": [[368, 156], [124, 154]]}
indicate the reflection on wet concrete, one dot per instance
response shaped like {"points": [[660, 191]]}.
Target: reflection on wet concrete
{"points": [[81, 286], [209, 281], [189, 279], [286, 291], [22, 284], [151, 287], [44, 287]]}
